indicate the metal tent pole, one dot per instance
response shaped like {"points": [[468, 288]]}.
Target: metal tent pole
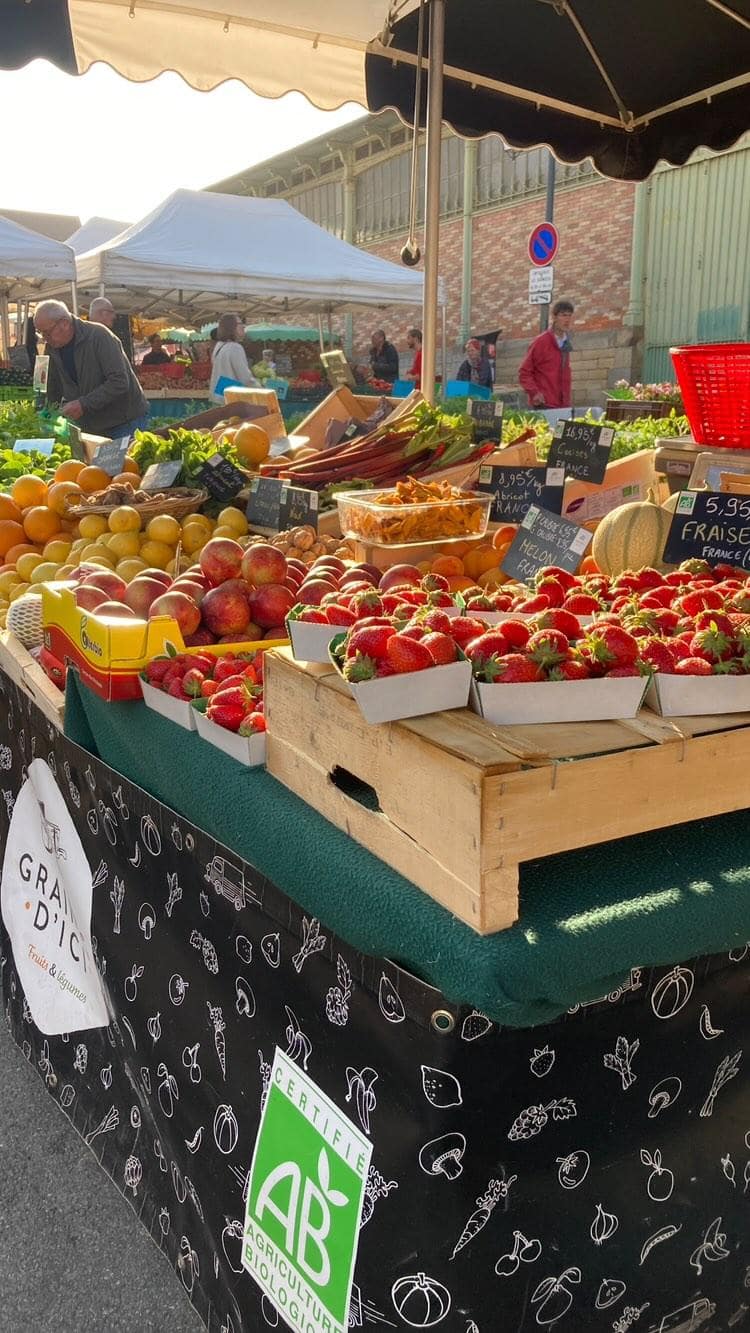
{"points": [[432, 198]]}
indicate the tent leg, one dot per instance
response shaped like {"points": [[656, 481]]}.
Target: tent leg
{"points": [[4, 326], [74, 296], [444, 349], [432, 198], [321, 340]]}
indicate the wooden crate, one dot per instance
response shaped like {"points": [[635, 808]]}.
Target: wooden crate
{"points": [[457, 805], [25, 671]]}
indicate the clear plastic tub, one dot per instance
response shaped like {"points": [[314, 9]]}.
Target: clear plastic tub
{"points": [[384, 524]]}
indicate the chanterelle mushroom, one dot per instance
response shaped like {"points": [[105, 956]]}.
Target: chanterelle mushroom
{"points": [[443, 1156]]}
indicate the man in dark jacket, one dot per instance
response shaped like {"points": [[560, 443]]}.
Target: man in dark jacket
{"points": [[545, 371], [90, 373], [383, 358]]}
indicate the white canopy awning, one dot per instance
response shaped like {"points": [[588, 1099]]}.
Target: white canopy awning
{"points": [[200, 251], [31, 265], [97, 231]]}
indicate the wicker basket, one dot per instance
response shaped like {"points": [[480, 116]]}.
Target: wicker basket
{"points": [[179, 502]]}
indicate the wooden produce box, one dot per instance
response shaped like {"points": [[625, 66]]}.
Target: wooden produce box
{"points": [[17, 663], [457, 805]]}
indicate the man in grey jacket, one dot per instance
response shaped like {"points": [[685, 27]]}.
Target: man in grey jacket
{"points": [[90, 373]]}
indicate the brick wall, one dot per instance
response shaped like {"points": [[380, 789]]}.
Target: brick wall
{"points": [[593, 269]]}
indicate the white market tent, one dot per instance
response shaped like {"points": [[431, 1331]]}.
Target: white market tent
{"points": [[97, 231], [31, 267], [200, 252]]}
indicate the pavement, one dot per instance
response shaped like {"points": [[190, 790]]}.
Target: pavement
{"points": [[73, 1256]]}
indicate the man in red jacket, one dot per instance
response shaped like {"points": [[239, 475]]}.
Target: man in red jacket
{"points": [[545, 371]]}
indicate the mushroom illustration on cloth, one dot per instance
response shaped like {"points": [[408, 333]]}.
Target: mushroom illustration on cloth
{"points": [[443, 1156]]}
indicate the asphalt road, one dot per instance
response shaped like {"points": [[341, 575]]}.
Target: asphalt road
{"points": [[73, 1256]]}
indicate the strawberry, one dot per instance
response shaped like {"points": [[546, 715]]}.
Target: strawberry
{"points": [[434, 583], [437, 621], [551, 588], [563, 576], [693, 666], [528, 606], [712, 643], [359, 667], [511, 669], [414, 597], [175, 690], [695, 567], [565, 621], [226, 666], [340, 615], [368, 603], [680, 649], [384, 669], [656, 655], [441, 647], [392, 601], [235, 694], [203, 662], [232, 682], [516, 632], [547, 647], [598, 584], [465, 628], [252, 723], [312, 615], [677, 578], [192, 682], [227, 715], [572, 668], [609, 646], [249, 674], [722, 571], [656, 597], [157, 669], [501, 601], [440, 599], [740, 601], [648, 578], [370, 642], [208, 688], [407, 654], [626, 582], [479, 603], [493, 641], [582, 604], [623, 671], [415, 631], [699, 600]]}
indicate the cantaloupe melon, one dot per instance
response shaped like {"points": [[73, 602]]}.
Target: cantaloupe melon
{"points": [[631, 537]]}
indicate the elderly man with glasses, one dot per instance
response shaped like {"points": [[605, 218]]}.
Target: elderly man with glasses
{"points": [[90, 373]]}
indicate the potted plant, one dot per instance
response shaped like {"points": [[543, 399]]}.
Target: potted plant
{"points": [[627, 401]]}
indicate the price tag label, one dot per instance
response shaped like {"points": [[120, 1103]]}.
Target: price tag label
{"points": [[515, 488], [487, 416], [33, 447], [545, 539], [221, 478], [160, 476], [710, 526], [582, 449], [274, 506], [111, 457]]}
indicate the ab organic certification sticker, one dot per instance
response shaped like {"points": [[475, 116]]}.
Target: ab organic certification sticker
{"points": [[304, 1202]]}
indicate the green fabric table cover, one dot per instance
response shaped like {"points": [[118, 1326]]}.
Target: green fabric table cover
{"points": [[587, 917]]}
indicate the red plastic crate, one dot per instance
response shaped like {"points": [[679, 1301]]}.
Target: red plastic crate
{"points": [[715, 383]]}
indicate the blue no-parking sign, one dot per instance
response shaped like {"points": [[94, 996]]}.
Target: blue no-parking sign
{"points": [[543, 243]]}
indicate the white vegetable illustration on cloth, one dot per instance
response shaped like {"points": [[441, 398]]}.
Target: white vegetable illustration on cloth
{"points": [[622, 1060], [443, 1156], [660, 1183], [440, 1088], [486, 1205]]}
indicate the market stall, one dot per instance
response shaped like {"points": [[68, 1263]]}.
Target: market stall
{"points": [[31, 266]]}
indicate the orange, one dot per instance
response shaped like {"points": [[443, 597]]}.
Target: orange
{"points": [[22, 548], [448, 565], [28, 491], [459, 583], [492, 578], [61, 495], [41, 523], [92, 479], [11, 533], [588, 565], [130, 465], [69, 470], [9, 510], [124, 479], [252, 443], [504, 535]]}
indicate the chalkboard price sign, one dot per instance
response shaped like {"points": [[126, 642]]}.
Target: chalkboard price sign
{"points": [[545, 539], [221, 478], [710, 526], [583, 449], [111, 457], [487, 416], [273, 505], [160, 476], [515, 488]]}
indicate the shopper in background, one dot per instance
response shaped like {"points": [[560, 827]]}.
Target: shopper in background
{"points": [[90, 373], [414, 343], [476, 368], [102, 311], [157, 356], [383, 358], [545, 370], [229, 360]]}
